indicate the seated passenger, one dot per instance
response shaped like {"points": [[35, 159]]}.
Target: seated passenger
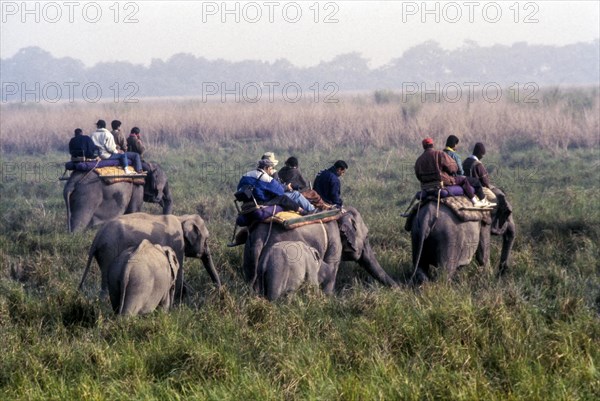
{"points": [[435, 166], [474, 167], [105, 142], [82, 146], [269, 191], [118, 135], [450, 150], [477, 173], [328, 184], [290, 174], [134, 142]]}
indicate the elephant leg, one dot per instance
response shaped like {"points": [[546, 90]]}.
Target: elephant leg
{"points": [[252, 251], [420, 277], [165, 302], [136, 201], [482, 254], [274, 281], [327, 275]]}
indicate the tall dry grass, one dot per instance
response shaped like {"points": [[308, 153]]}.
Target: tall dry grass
{"points": [[560, 120]]}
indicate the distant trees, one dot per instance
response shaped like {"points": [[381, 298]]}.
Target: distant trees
{"points": [[187, 75]]}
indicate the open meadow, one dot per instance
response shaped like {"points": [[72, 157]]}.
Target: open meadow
{"points": [[532, 334]]}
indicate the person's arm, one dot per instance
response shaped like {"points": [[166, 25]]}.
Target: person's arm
{"points": [[140, 147], [483, 175], [109, 144], [122, 142], [458, 161], [302, 184], [72, 148], [448, 164], [334, 192], [272, 189], [91, 150]]}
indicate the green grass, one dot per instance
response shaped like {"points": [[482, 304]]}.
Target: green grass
{"points": [[531, 335]]}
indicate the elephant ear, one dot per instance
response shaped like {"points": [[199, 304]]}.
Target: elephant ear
{"points": [[502, 213], [354, 232], [195, 235], [173, 263], [156, 180]]}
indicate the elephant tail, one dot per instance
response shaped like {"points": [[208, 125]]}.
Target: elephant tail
{"points": [[69, 188], [87, 266]]}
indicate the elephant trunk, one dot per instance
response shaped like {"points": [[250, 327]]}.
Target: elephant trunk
{"points": [[369, 262], [508, 240], [166, 202], [207, 261]]}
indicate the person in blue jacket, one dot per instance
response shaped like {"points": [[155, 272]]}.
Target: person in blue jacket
{"points": [[328, 185]]}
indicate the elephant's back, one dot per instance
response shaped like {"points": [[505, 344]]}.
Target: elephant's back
{"points": [[430, 210], [312, 233], [150, 222], [131, 229]]}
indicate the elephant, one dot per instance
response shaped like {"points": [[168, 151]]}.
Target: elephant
{"points": [[344, 239], [142, 278], [186, 235], [91, 202], [285, 266], [441, 239]]}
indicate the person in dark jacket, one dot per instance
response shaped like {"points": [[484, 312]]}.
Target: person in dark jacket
{"points": [[328, 184], [82, 146], [435, 166], [290, 174], [474, 167], [134, 142], [478, 174]]}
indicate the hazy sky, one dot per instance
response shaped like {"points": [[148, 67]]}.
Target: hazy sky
{"points": [[303, 32]]}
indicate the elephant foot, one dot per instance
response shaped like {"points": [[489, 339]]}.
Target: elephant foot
{"points": [[502, 270], [419, 278]]}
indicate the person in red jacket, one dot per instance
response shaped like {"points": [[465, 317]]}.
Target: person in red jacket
{"points": [[134, 142]]}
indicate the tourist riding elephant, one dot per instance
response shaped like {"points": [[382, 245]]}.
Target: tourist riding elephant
{"points": [[90, 201], [285, 266], [186, 235], [441, 239], [345, 239], [142, 278]]}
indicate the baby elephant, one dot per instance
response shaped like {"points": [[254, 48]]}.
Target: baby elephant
{"points": [[143, 278], [284, 266]]}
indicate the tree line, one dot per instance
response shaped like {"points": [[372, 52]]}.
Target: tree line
{"points": [[185, 74]]}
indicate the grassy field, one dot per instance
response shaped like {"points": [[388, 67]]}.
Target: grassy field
{"points": [[532, 335]]}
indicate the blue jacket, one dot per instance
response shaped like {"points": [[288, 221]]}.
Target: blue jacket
{"points": [[263, 191], [82, 146], [328, 185]]}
